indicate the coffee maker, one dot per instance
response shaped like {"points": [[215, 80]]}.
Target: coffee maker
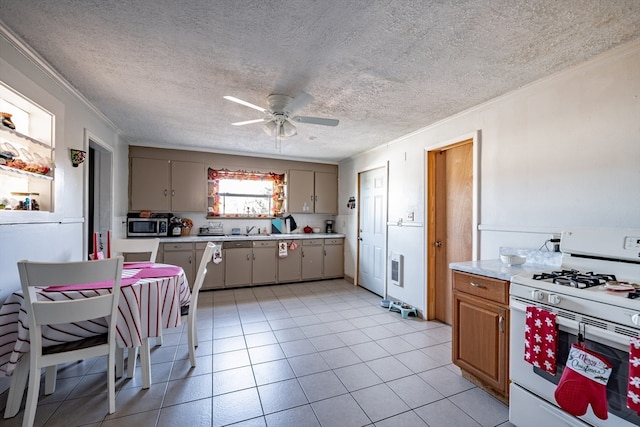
{"points": [[329, 226]]}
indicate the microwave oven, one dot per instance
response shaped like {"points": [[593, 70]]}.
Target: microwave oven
{"points": [[147, 227]]}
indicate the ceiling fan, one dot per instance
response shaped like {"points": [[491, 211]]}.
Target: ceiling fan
{"points": [[280, 115]]}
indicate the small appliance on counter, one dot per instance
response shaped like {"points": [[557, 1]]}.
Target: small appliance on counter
{"points": [[147, 224], [329, 226], [175, 227]]}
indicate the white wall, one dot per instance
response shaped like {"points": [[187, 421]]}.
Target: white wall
{"points": [[561, 152], [60, 235]]}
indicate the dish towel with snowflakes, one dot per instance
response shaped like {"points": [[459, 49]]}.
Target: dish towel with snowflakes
{"points": [[633, 389], [541, 334]]}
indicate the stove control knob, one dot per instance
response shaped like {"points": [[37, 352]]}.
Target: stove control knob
{"points": [[635, 319], [537, 295], [553, 299]]}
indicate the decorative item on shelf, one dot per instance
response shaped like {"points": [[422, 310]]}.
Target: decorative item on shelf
{"points": [[187, 225], [6, 120], [77, 157]]}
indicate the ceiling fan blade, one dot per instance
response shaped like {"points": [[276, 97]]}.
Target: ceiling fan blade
{"points": [[300, 101], [245, 103], [248, 122], [315, 120]]}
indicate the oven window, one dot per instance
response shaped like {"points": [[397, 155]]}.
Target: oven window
{"points": [[617, 385]]}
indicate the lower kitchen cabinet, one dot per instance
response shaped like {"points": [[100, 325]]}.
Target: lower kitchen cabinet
{"points": [[290, 267], [481, 329], [238, 263], [312, 259], [183, 255], [214, 278], [264, 265], [333, 265]]}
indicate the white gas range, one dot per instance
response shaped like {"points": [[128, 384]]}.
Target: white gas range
{"points": [[592, 295]]}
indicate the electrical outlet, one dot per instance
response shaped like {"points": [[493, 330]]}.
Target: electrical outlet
{"points": [[410, 216]]}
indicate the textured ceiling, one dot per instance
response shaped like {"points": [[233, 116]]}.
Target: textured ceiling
{"points": [[159, 69]]}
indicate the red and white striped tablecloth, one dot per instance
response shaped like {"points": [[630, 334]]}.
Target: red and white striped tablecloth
{"points": [[146, 308]]}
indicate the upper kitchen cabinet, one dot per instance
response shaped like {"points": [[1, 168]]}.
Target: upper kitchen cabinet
{"points": [[312, 192], [26, 159], [167, 185]]}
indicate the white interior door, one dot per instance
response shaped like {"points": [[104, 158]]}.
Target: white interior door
{"points": [[372, 232]]}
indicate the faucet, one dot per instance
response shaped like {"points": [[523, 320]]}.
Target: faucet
{"points": [[249, 229]]}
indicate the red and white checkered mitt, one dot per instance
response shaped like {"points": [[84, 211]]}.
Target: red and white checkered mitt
{"points": [[541, 336]]}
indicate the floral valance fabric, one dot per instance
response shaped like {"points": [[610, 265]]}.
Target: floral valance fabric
{"points": [[215, 176]]}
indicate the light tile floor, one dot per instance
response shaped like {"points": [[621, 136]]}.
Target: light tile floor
{"points": [[305, 354]]}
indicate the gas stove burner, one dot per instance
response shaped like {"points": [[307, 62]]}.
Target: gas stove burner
{"points": [[575, 279]]}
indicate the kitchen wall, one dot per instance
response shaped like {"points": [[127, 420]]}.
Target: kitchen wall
{"points": [[561, 152]]}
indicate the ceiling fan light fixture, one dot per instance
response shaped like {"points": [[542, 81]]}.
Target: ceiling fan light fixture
{"points": [[270, 128], [287, 129]]}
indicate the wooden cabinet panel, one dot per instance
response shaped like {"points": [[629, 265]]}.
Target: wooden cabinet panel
{"points": [[237, 256], [312, 259], [164, 185], [480, 329], [326, 193], [290, 267], [181, 254], [312, 192], [215, 272], [483, 287], [333, 258], [264, 265], [150, 182], [188, 187]]}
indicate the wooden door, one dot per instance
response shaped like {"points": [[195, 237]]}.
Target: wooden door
{"points": [[450, 239]]}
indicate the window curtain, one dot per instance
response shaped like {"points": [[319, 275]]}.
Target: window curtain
{"points": [[277, 196]]}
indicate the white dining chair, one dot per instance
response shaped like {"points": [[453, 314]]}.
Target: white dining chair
{"points": [[190, 312], [122, 247], [42, 312], [136, 246]]}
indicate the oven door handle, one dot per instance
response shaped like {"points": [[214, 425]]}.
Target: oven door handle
{"points": [[590, 331]]}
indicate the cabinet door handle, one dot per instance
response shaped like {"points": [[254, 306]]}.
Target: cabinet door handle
{"points": [[173, 193], [501, 324], [477, 285], [190, 260], [248, 258], [165, 192]]}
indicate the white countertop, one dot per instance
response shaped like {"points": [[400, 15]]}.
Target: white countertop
{"points": [[496, 268], [196, 238]]}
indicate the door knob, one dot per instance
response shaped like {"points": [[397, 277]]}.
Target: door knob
{"points": [[437, 244]]}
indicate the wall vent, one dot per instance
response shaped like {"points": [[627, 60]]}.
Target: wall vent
{"points": [[397, 269]]}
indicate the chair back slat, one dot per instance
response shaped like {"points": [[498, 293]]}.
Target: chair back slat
{"points": [[135, 246], [59, 312]]}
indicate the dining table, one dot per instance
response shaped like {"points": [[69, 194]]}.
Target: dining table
{"points": [[152, 295]]}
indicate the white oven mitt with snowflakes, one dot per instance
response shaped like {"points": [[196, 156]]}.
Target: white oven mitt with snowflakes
{"points": [[583, 382], [217, 254]]}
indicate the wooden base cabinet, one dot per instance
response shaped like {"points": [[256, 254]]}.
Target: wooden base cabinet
{"points": [[312, 259], [290, 267], [238, 263], [333, 258], [214, 278], [481, 329], [265, 262], [183, 255]]}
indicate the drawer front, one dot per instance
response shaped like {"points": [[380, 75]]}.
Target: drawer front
{"points": [[178, 246], [333, 241], [312, 242], [265, 244], [485, 287], [236, 244]]}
